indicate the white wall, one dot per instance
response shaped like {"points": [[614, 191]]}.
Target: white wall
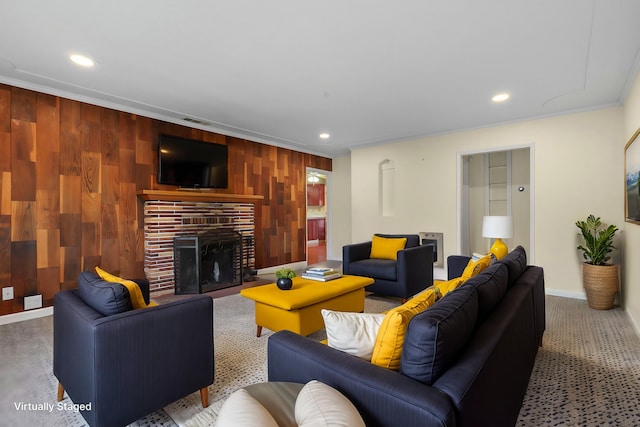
{"points": [[477, 188], [631, 270], [578, 170], [339, 203]]}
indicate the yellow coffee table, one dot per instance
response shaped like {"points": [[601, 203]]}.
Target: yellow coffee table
{"points": [[298, 309]]}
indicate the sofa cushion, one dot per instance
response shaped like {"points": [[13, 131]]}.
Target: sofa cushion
{"points": [[104, 297], [435, 338], [376, 268], [241, 409], [516, 262], [320, 405], [491, 285], [391, 335], [386, 248], [353, 333]]}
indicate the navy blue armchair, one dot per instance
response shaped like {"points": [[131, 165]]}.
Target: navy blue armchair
{"points": [[411, 273], [124, 366]]}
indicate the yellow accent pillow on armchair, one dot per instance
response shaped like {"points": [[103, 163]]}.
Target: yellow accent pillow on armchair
{"points": [[137, 300], [387, 247]]}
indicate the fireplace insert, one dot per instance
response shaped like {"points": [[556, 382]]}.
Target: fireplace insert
{"points": [[207, 261]]}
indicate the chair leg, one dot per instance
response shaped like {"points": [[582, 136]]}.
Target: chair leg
{"points": [[204, 396], [60, 391], [258, 331]]}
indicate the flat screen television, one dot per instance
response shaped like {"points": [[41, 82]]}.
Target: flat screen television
{"points": [[192, 164]]}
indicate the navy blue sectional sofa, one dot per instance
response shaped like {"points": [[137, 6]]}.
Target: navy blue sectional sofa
{"points": [[466, 361]]}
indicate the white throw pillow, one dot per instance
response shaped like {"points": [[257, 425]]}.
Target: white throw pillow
{"points": [[241, 409], [353, 333], [319, 405]]}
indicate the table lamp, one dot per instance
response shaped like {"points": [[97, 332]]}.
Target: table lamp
{"points": [[498, 227]]}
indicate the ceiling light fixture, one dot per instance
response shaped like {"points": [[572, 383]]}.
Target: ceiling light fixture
{"points": [[501, 97], [82, 60], [324, 135]]}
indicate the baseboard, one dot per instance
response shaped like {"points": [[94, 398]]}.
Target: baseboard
{"points": [[566, 294], [26, 315]]}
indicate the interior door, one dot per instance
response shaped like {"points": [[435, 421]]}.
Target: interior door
{"points": [[495, 182], [317, 215]]}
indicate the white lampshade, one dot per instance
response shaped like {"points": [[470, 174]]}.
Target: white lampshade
{"points": [[498, 227]]}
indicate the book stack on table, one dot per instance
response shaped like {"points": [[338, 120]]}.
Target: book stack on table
{"points": [[321, 274]]}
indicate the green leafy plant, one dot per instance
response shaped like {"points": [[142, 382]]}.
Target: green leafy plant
{"points": [[285, 273], [598, 240]]}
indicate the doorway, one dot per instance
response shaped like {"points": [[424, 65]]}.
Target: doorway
{"points": [[317, 218], [496, 182]]}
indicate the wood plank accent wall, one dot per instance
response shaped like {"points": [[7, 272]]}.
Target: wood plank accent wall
{"points": [[69, 175]]}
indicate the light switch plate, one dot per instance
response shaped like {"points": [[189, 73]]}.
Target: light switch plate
{"points": [[7, 293]]}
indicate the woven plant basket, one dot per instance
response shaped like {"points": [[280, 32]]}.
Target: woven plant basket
{"points": [[601, 284]]}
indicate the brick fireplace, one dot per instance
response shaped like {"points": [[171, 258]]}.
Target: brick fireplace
{"points": [[165, 219], [208, 261]]}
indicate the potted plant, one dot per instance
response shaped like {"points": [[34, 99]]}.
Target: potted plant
{"points": [[599, 277], [284, 276]]}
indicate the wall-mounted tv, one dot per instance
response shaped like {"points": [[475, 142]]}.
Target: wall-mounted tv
{"points": [[192, 164]]}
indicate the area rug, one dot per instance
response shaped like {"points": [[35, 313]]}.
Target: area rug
{"points": [[586, 373], [240, 357]]}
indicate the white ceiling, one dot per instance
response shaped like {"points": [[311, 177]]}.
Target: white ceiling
{"points": [[365, 71]]}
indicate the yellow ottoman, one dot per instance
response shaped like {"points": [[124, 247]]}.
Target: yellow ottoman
{"points": [[298, 309]]}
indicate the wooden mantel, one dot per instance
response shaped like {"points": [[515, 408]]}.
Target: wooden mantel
{"points": [[196, 196]]}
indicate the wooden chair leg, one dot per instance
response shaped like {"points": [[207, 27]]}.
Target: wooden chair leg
{"points": [[60, 391], [259, 331], [204, 396]]}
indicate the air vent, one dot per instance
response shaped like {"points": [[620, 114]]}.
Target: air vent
{"points": [[196, 121]]}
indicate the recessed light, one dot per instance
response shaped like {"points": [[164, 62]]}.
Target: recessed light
{"points": [[82, 60], [501, 97], [324, 136]]}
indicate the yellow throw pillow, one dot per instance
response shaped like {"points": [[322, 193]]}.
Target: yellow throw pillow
{"points": [[137, 300], [473, 268], [435, 289], [386, 247], [448, 286], [390, 338]]}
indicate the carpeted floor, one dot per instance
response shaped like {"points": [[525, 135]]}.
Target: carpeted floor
{"points": [[587, 372]]}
